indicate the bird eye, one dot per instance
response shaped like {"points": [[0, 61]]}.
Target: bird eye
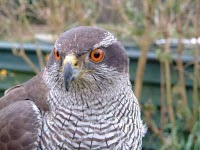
{"points": [[56, 54], [96, 55]]}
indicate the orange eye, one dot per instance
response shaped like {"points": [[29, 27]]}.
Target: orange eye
{"points": [[56, 54], [97, 55]]}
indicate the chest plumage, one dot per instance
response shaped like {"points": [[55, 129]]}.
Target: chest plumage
{"points": [[107, 122]]}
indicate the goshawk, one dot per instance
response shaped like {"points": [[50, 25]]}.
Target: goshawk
{"points": [[82, 99]]}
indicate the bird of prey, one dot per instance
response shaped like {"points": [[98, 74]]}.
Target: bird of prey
{"points": [[82, 99]]}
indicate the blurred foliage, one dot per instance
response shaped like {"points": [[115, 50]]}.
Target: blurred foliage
{"points": [[162, 56], [130, 20]]}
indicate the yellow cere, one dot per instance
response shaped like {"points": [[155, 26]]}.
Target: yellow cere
{"points": [[72, 59]]}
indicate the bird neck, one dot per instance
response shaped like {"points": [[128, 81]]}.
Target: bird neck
{"points": [[92, 97]]}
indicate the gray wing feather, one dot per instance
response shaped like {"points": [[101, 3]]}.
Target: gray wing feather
{"points": [[20, 126], [34, 90], [20, 114]]}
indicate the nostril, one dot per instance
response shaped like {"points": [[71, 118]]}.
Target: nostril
{"points": [[76, 64]]}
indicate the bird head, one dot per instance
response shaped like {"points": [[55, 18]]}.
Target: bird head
{"points": [[86, 56]]}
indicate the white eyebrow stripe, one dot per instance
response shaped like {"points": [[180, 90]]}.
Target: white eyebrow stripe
{"points": [[107, 40], [57, 45]]}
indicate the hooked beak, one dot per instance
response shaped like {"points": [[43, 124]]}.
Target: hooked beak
{"points": [[70, 70]]}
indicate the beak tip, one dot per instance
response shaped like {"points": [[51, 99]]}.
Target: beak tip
{"points": [[67, 89]]}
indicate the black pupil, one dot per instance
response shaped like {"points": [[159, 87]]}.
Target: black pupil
{"points": [[57, 53], [96, 55]]}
